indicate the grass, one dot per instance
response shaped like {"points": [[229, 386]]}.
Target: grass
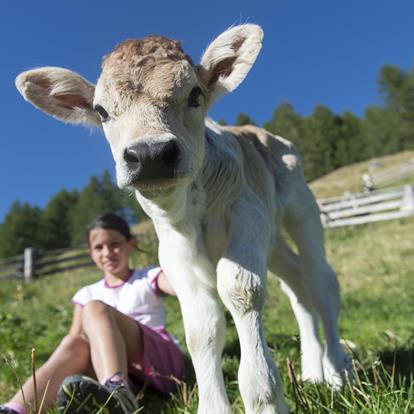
{"points": [[349, 178], [375, 266]]}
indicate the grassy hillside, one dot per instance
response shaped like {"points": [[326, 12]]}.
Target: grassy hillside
{"points": [[350, 178], [375, 266]]}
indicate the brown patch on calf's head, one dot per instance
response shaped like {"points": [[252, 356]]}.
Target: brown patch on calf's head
{"points": [[144, 67], [140, 52]]}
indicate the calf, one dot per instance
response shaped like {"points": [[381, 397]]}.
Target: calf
{"points": [[218, 197]]}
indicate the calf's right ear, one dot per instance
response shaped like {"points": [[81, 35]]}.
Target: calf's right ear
{"points": [[61, 93]]}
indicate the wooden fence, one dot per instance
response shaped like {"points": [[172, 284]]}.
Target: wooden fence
{"points": [[360, 208], [11, 267], [33, 263], [391, 175]]}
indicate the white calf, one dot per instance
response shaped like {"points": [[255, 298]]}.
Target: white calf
{"points": [[218, 197]]}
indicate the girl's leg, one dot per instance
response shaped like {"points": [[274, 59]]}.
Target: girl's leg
{"points": [[113, 337], [72, 356]]}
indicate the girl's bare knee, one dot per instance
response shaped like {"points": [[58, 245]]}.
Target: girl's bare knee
{"points": [[96, 306], [95, 309], [75, 341], [76, 345]]}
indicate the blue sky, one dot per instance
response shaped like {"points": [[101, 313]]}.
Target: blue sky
{"points": [[315, 52]]}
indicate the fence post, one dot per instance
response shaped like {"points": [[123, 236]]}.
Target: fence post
{"points": [[368, 182], [29, 265], [408, 199]]}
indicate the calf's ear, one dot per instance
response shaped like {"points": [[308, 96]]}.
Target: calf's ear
{"points": [[59, 92], [229, 58]]}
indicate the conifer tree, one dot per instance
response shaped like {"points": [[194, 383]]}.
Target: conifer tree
{"points": [[99, 196], [21, 228], [57, 220], [244, 119]]}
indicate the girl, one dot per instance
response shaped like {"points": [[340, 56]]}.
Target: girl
{"points": [[117, 334]]}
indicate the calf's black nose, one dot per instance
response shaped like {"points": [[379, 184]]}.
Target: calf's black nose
{"points": [[152, 160]]}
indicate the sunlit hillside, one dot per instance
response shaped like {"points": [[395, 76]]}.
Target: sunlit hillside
{"points": [[349, 178]]}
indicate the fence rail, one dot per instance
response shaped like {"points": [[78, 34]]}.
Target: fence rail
{"points": [[361, 208], [43, 262], [34, 263]]}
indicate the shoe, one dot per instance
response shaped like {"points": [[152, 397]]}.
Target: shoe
{"points": [[82, 395], [6, 410], [123, 394]]}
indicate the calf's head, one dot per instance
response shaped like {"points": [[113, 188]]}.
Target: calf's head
{"points": [[150, 100]]}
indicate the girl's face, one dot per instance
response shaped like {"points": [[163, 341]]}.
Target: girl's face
{"points": [[110, 251]]}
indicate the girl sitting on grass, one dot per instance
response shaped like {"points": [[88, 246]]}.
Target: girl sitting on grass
{"points": [[117, 335]]}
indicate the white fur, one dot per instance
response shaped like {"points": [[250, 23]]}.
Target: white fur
{"points": [[219, 224]]}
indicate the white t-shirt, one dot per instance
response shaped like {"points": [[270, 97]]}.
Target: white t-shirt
{"points": [[138, 297]]}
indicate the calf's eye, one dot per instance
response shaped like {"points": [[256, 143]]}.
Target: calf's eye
{"points": [[100, 110], [194, 97]]}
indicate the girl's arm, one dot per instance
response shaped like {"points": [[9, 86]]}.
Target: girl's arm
{"points": [[164, 285], [76, 328]]}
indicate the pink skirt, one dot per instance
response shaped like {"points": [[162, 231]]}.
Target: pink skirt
{"points": [[160, 360]]}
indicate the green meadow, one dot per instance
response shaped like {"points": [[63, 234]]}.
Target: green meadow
{"points": [[375, 266]]}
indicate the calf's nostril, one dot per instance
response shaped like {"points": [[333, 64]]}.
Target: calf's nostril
{"points": [[130, 156], [170, 155]]}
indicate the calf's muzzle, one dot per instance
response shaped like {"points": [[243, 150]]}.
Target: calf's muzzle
{"points": [[152, 160]]}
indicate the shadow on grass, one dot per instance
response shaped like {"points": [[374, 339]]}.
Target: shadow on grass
{"points": [[154, 402], [399, 362]]}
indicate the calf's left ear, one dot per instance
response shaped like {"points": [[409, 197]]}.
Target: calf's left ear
{"points": [[229, 58], [59, 92]]}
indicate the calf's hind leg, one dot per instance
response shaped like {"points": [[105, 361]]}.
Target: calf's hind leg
{"points": [[320, 281], [285, 264]]}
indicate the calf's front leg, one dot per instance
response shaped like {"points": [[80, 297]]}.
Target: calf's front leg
{"points": [[241, 282], [204, 324]]}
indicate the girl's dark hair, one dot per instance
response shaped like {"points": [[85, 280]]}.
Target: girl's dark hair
{"points": [[110, 221]]}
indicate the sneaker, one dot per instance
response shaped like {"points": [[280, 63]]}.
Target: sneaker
{"points": [[82, 395], [123, 394], [6, 410]]}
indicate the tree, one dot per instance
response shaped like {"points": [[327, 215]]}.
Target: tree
{"points": [[97, 197], [100, 195], [21, 228], [321, 136], [380, 126], [287, 123], [392, 85], [397, 88], [57, 220], [352, 144], [244, 119], [64, 220]]}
